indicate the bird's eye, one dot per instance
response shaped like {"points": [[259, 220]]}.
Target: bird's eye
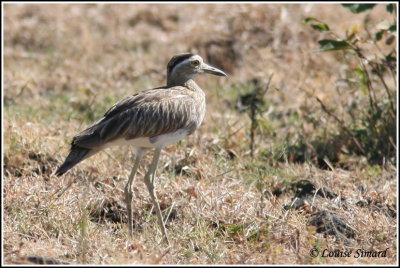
{"points": [[195, 63]]}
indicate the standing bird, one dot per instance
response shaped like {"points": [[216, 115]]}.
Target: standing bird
{"points": [[153, 118]]}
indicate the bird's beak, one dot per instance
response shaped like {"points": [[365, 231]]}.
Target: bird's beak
{"points": [[212, 70]]}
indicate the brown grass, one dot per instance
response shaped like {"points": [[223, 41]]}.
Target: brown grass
{"points": [[65, 65]]}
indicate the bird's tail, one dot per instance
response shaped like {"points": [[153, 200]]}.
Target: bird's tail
{"points": [[76, 155]]}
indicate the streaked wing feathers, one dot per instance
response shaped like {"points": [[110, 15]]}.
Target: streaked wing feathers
{"points": [[146, 114]]}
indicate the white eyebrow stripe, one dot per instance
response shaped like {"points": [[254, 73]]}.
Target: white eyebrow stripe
{"points": [[194, 57], [183, 62]]}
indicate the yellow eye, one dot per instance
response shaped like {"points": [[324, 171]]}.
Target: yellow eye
{"points": [[195, 63]]}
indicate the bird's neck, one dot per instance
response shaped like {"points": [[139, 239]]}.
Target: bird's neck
{"points": [[191, 84], [176, 79], [187, 82]]}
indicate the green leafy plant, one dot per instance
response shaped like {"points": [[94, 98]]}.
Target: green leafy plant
{"points": [[371, 132]]}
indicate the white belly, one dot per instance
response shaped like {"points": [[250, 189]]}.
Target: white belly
{"points": [[160, 141]]}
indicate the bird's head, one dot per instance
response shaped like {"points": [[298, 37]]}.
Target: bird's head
{"points": [[183, 67]]}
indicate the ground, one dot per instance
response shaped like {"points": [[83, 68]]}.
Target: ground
{"points": [[244, 189]]}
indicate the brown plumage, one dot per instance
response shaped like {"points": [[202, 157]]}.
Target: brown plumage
{"points": [[146, 114], [149, 119]]}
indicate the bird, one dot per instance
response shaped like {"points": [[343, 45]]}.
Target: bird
{"points": [[150, 119]]}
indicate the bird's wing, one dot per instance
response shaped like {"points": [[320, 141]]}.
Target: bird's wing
{"points": [[146, 114]]}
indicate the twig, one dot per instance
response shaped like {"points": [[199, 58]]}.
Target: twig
{"points": [[253, 109], [169, 212], [341, 123]]}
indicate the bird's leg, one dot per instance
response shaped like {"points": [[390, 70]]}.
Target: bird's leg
{"points": [[128, 190], [150, 187]]}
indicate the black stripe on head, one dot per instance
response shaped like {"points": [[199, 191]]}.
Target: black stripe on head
{"points": [[176, 60]]}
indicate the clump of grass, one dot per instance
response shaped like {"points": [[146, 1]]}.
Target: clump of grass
{"points": [[253, 103]]}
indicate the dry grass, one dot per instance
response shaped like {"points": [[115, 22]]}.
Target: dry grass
{"points": [[65, 65]]}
